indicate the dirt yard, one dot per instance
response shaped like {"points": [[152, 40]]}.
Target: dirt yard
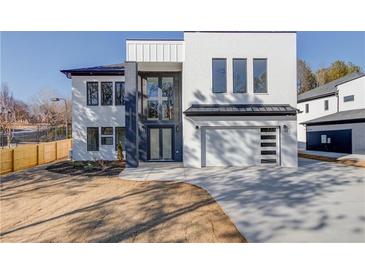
{"points": [[59, 205]]}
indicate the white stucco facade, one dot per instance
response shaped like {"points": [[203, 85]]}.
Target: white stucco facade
{"points": [[84, 116], [200, 48]]}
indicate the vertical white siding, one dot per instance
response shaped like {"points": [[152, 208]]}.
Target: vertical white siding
{"points": [[155, 51]]}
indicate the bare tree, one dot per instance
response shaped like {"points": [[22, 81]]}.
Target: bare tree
{"points": [[12, 112]]}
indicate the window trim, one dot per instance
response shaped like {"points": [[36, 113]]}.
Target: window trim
{"points": [[103, 135], [349, 98], [307, 108], [122, 103], [87, 93], [101, 93], [97, 138], [225, 88], [267, 75], [233, 85]]}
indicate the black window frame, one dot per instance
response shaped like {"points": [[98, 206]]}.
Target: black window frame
{"points": [[88, 103], [122, 102], [106, 136], [326, 105], [116, 139], [266, 78], [102, 103], [349, 98], [213, 78], [307, 108], [88, 140], [233, 74]]}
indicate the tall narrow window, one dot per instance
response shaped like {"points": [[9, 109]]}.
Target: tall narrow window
{"points": [[92, 91], [106, 93], [160, 98], [119, 137], [219, 69], [325, 104], [239, 75], [260, 75], [107, 136], [92, 139], [306, 108], [119, 93]]}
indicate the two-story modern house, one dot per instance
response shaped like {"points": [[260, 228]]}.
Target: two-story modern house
{"points": [[332, 116], [211, 99]]}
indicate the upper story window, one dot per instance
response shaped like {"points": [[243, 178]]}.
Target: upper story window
{"points": [[119, 93], [160, 98], [219, 75], [260, 75], [325, 104], [349, 98], [239, 75], [106, 93], [92, 90], [306, 108]]}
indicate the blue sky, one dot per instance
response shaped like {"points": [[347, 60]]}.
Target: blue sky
{"points": [[31, 61]]}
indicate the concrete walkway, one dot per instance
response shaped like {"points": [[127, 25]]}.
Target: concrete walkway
{"points": [[335, 155], [318, 202]]}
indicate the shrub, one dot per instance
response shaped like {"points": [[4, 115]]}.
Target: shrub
{"points": [[120, 152]]}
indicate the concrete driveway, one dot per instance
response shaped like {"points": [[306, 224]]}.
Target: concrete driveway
{"points": [[318, 202]]}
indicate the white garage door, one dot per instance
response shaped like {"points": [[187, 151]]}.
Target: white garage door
{"points": [[240, 146]]}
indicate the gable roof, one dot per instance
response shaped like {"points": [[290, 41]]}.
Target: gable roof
{"points": [[328, 89], [239, 110], [114, 69], [349, 116]]}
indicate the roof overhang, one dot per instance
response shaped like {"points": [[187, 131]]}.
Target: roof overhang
{"points": [[240, 110]]}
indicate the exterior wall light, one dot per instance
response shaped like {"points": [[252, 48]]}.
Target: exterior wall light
{"points": [[285, 128]]}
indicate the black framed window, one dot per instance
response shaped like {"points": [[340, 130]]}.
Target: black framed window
{"points": [[107, 136], [306, 108], [119, 137], [349, 98], [219, 75], [92, 91], [106, 93], [239, 75], [260, 75], [92, 139], [325, 104], [119, 93]]}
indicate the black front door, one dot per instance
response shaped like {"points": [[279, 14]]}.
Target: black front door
{"points": [[160, 143]]}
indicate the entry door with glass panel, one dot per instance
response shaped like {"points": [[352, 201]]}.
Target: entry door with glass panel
{"points": [[160, 144]]}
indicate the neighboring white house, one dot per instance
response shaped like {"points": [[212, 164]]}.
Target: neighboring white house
{"points": [[332, 116], [211, 99]]}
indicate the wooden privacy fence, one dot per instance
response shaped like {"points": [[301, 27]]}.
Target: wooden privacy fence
{"points": [[26, 156]]}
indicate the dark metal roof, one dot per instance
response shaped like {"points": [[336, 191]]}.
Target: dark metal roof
{"points": [[342, 117], [115, 69], [239, 110], [328, 89]]}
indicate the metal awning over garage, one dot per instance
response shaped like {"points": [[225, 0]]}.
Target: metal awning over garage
{"points": [[240, 110]]}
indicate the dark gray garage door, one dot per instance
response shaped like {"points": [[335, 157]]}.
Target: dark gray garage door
{"points": [[330, 140]]}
